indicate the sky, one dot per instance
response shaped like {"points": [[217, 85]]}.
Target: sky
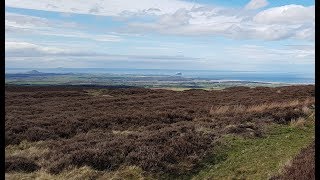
{"points": [[244, 35]]}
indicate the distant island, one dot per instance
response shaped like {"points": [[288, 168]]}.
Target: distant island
{"points": [[34, 72]]}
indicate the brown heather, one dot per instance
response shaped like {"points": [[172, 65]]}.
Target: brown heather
{"points": [[159, 131], [302, 167], [16, 163]]}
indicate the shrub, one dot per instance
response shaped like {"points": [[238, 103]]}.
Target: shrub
{"points": [[299, 122], [301, 167], [16, 163], [156, 130]]}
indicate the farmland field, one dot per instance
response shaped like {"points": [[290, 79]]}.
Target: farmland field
{"points": [[68, 132]]}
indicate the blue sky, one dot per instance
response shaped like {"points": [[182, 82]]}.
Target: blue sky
{"points": [[268, 35]]}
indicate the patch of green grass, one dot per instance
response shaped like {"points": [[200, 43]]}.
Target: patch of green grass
{"points": [[257, 158]]}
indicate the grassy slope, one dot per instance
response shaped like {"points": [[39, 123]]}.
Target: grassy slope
{"points": [[259, 158]]}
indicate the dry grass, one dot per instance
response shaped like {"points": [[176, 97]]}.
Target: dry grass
{"points": [[29, 150], [230, 127], [266, 106], [306, 110], [203, 129], [97, 92], [227, 109], [85, 172], [125, 133], [283, 165], [129, 172], [311, 115], [219, 110], [299, 122], [262, 107], [239, 108], [26, 148], [106, 95]]}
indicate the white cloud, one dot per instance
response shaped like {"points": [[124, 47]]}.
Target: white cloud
{"points": [[28, 49], [297, 54], [232, 24], [289, 14], [102, 7], [244, 57], [18, 49], [25, 49], [175, 17], [256, 4], [18, 24], [307, 33], [278, 23]]}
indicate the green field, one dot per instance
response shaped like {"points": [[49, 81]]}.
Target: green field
{"points": [[258, 158], [176, 83]]}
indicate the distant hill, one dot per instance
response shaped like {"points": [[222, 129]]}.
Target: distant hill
{"points": [[34, 72]]}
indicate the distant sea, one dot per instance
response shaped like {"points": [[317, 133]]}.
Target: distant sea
{"points": [[276, 77]]}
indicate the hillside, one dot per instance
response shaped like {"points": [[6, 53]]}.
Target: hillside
{"points": [[132, 133]]}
